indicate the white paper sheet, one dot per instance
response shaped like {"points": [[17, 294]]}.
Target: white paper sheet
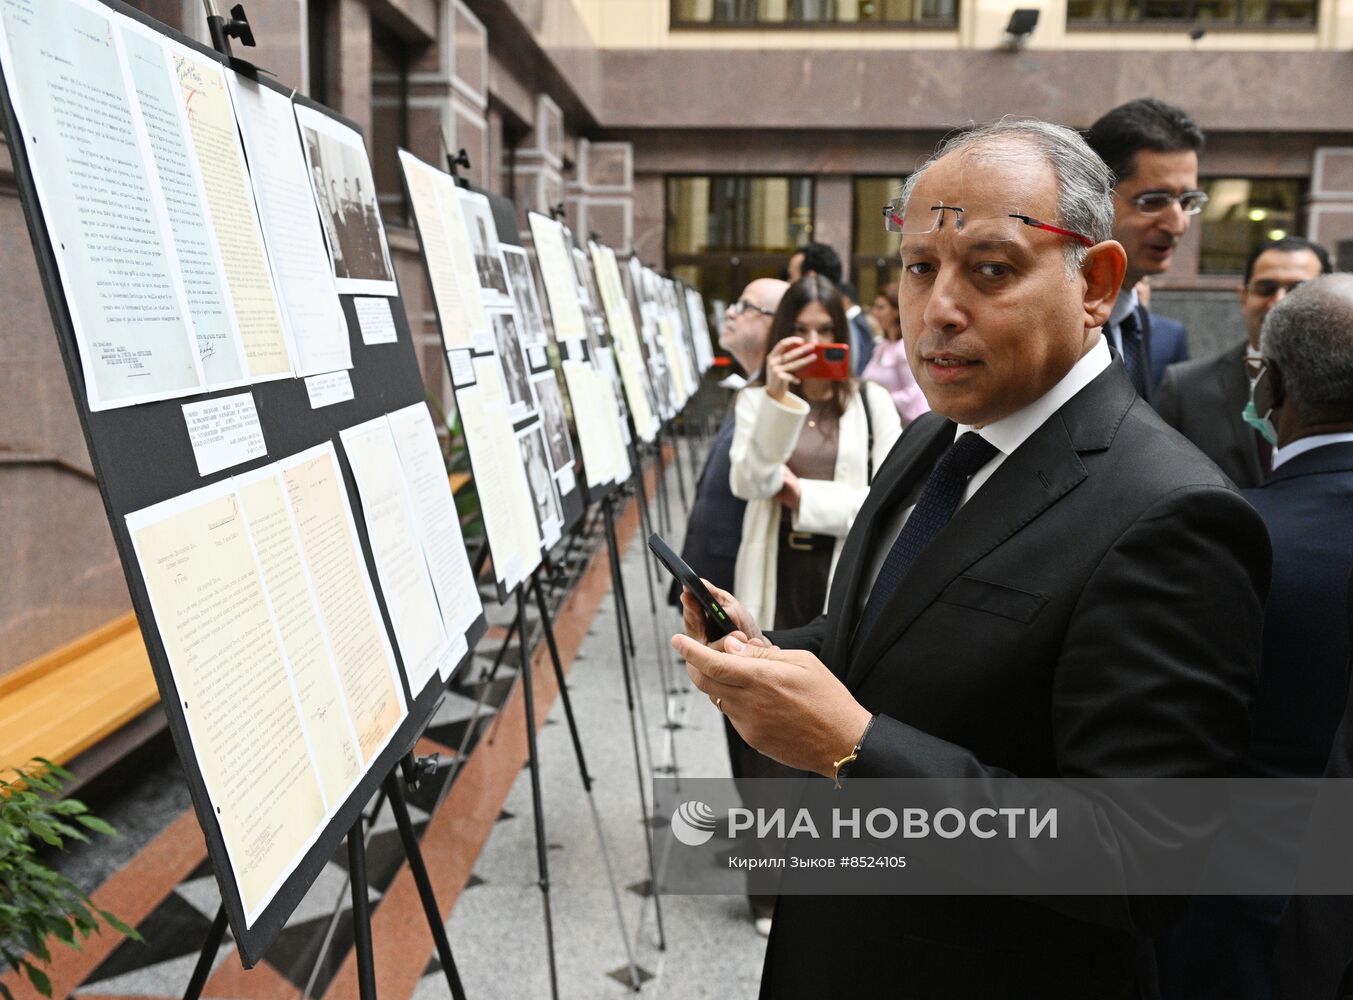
{"points": [[376, 321], [434, 507], [490, 270], [345, 193], [549, 514], [403, 572], [224, 431], [234, 684], [291, 228], [559, 277], [215, 142], [101, 204], [325, 390]]}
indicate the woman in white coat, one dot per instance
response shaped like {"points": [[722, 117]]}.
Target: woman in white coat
{"points": [[804, 453]]}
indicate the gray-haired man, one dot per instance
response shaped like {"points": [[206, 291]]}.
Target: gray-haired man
{"points": [[1008, 601]]}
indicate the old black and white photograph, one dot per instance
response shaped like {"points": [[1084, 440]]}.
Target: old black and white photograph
{"points": [[552, 420], [524, 295], [513, 363], [488, 258], [341, 175], [549, 514]]}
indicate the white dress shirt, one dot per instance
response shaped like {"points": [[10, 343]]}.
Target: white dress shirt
{"points": [[1005, 434], [1301, 445]]}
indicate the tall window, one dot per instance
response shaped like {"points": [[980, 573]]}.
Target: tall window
{"points": [[724, 231], [812, 13], [1258, 13], [1242, 213], [873, 250]]}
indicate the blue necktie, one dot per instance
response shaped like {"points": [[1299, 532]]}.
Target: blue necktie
{"points": [[1130, 332], [940, 497]]}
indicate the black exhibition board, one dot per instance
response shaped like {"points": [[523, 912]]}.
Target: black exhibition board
{"points": [[141, 455], [574, 502]]}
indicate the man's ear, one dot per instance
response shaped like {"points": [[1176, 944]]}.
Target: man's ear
{"points": [[1103, 270]]}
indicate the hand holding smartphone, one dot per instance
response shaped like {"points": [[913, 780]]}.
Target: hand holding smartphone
{"points": [[717, 622]]}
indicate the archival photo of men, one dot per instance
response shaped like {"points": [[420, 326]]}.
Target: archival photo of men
{"points": [[549, 513], [340, 174], [488, 256], [524, 295], [553, 422], [515, 372]]}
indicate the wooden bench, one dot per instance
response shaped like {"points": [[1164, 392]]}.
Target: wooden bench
{"points": [[93, 698]]}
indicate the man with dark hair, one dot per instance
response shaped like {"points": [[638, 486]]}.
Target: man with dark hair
{"points": [[1304, 399], [1152, 148], [1204, 399], [815, 258]]}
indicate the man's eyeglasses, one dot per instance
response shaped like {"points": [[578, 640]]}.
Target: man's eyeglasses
{"points": [[1266, 289], [742, 305], [993, 229], [1155, 202]]}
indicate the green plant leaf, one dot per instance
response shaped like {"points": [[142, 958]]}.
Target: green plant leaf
{"points": [[117, 925], [39, 979], [96, 824]]}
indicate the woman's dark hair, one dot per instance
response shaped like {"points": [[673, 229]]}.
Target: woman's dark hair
{"points": [[888, 292], [807, 290]]}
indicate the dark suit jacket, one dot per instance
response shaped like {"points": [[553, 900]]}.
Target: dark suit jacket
{"points": [[1223, 949], [1093, 611], [1203, 399], [1169, 345], [1307, 504], [861, 343], [714, 527], [1314, 957]]}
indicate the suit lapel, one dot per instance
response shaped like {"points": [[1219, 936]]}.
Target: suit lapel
{"points": [[902, 472], [1043, 469]]}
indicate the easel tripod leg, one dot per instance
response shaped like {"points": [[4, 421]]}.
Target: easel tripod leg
{"points": [[613, 552], [207, 958], [414, 852], [586, 776], [361, 914], [537, 803]]}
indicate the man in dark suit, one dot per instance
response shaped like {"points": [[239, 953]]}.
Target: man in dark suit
{"points": [[1313, 959], [1008, 601], [1223, 948], [1204, 399], [1169, 346], [1152, 148], [861, 332]]}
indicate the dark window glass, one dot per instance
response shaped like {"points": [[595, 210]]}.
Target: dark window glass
{"points": [[1210, 12], [811, 13], [873, 250], [1242, 213]]}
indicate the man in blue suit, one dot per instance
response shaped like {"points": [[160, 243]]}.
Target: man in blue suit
{"points": [[1152, 148], [1304, 399], [1169, 342]]}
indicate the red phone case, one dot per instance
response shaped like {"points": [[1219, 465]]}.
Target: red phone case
{"points": [[830, 361]]}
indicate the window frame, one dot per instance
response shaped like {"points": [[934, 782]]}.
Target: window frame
{"points": [[1190, 17], [676, 23]]}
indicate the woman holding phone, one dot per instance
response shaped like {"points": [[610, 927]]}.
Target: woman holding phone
{"points": [[807, 443]]}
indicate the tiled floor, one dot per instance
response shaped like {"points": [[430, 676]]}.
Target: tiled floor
{"points": [[496, 927]]}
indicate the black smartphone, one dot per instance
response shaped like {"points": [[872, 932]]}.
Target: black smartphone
{"points": [[717, 622]]}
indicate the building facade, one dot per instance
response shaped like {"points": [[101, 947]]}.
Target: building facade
{"points": [[711, 137]]}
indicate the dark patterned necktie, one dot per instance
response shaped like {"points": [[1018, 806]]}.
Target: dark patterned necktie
{"points": [[1130, 332], [940, 497]]}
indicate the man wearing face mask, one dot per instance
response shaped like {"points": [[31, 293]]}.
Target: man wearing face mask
{"points": [[1303, 398], [1205, 399]]}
